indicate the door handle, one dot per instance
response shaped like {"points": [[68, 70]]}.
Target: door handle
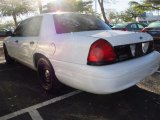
{"points": [[31, 43], [16, 41]]}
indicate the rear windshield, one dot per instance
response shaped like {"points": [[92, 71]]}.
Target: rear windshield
{"points": [[154, 25], [121, 25], [66, 23]]}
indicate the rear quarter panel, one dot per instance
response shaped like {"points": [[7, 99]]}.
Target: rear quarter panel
{"points": [[62, 47]]}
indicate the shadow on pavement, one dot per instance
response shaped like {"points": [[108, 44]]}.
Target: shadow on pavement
{"points": [[20, 88], [131, 104]]}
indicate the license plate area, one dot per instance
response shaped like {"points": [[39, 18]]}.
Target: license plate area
{"points": [[130, 51]]}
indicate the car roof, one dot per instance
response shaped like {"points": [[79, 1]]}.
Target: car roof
{"points": [[155, 24]]}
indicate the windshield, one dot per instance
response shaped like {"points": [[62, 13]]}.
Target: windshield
{"points": [[154, 24], [66, 23]]}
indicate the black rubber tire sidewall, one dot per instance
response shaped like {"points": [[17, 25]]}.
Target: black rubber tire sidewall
{"points": [[8, 59], [43, 62]]}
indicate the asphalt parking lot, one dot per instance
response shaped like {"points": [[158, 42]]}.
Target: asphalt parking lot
{"points": [[21, 98]]}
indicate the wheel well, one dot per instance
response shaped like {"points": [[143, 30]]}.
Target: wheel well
{"points": [[36, 57]]}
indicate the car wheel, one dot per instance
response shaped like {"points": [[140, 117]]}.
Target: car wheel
{"points": [[46, 75], [9, 60]]}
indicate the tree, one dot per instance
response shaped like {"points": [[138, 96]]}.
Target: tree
{"points": [[83, 6], [125, 17], [39, 6], [101, 4], [69, 6], [15, 8], [114, 17], [8, 25], [147, 4], [132, 12]]}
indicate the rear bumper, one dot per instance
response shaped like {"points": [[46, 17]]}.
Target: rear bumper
{"points": [[107, 79]]}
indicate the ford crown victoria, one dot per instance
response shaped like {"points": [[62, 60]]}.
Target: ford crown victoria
{"points": [[82, 51]]}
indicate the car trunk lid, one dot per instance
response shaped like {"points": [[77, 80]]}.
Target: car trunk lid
{"points": [[127, 45], [116, 38]]}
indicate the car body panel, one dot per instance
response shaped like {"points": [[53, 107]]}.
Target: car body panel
{"points": [[107, 79], [68, 53], [154, 30]]}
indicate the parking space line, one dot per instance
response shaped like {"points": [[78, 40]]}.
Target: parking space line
{"points": [[35, 115], [35, 107]]}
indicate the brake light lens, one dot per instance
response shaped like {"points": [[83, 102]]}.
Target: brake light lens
{"points": [[144, 30], [101, 52], [124, 29]]}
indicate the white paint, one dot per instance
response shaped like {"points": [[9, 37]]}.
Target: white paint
{"points": [[35, 115], [109, 78], [33, 108]]}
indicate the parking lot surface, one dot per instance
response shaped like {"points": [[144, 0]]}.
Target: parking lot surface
{"points": [[22, 98]]}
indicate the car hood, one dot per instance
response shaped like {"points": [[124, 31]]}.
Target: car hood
{"points": [[116, 37]]}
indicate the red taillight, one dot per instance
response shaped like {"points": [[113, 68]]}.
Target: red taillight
{"points": [[125, 29], [144, 30], [101, 52]]}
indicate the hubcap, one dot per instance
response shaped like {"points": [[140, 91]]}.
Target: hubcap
{"points": [[47, 75]]}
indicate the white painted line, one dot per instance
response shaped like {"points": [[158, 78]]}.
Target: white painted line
{"points": [[56, 99], [29, 109], [35, 115]]}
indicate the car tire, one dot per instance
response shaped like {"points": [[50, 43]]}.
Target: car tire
{"points": [[8, 59], [47, 76]]}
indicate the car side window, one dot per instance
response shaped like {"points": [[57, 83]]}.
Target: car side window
{"points": [[133, 26], [29, 27], [19, 30], [140, 26]]}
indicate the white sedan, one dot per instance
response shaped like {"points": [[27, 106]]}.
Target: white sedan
{"points": [[81, 51]]}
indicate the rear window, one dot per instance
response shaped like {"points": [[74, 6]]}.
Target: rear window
{"points": [[154, 25], [121, 25], [66, 23]]}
